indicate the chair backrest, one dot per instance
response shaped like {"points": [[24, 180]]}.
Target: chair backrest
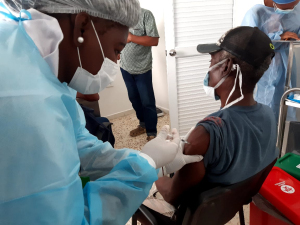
{"points": [[220, 204]]}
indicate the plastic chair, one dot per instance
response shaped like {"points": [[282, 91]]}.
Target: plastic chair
{"points": [[214, 206]]}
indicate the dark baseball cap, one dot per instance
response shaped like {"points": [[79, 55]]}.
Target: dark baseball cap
{"points": [[249, 44]]}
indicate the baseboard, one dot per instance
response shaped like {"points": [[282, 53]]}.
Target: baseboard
{"points": [[130, 111], [120, 114]]}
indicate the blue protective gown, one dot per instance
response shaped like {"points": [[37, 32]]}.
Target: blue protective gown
{"points": [[44, 143], [270, 88]]}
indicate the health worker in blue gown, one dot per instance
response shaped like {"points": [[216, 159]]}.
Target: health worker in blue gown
{"points": [[50, 49], [280, 20]]}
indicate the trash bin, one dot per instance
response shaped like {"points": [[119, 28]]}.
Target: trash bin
{"points": [[290, 163], [283, 191]]}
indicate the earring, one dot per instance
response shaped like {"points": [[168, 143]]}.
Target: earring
{"points": [[80, 40]]}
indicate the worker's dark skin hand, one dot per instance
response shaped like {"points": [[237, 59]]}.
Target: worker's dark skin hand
{"points": [[289, 35]]}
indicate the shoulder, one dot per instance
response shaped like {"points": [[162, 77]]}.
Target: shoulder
{"points": [[147, 13], [257, 11], [216, 118], [258, 8]]}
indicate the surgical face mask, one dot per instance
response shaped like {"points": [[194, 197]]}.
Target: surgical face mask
{"points": [[282, 11], [210, 91], [87, 83]]}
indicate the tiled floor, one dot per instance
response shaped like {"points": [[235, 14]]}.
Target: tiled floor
{"points": [[121, 128]]}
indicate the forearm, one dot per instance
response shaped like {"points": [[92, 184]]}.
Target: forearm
{"points": [[172, 188], [144, 40], [110, 198]]}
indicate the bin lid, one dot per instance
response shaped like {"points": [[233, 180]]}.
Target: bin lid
{"points": [[290, 163], [283, 191]]}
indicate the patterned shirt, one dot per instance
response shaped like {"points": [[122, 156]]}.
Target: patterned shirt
{"points": [[137, 59]]}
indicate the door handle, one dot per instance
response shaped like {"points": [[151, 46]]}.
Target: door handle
{"points": [[172, 52]]}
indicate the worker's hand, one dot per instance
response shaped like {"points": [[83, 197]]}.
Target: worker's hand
{"points": [[129, 38], [180, 159], [161, 150], [289, 35]]}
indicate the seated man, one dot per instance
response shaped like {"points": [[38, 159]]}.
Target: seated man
{"points": [[239, 140]]}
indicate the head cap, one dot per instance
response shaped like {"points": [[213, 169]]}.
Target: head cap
{"points": [[246, 43], [126, 12]]}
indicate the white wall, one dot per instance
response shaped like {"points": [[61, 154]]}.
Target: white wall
{"points": [[114, 100], [240, 9]]}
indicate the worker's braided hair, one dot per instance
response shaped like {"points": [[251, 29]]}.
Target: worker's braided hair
{"points": [[250, 74]]}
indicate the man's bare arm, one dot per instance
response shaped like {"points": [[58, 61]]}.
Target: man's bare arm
{"points": [[189, 175], [143, 40]]}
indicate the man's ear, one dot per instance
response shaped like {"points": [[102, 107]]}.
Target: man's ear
{"points": [[226, 67], [81, 21]]}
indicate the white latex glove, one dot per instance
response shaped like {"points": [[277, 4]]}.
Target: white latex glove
{"points": [[161, 150], [180, 159]]}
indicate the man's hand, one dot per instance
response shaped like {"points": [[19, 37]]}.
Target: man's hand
{"points": [[129, 38], [289, 35]]}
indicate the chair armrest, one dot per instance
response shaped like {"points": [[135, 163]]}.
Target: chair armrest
{"points": [[145, 216]]}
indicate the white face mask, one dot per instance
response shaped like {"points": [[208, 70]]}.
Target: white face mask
{"points": [[87, 83], [210, 91]]}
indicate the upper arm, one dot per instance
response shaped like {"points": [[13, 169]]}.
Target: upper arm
{"points": [[150, 25], [191, 174]]}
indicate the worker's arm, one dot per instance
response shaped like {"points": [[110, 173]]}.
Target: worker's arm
{"points": [[189, 175], [121, 179], [143, 40], [149, 35], [114, 198]]}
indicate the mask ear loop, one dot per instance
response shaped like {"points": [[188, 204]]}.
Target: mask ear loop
{"points": [[79, 57], [223, 78], [98, 40], [238, 74]]}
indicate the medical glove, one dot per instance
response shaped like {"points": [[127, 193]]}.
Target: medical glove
{"points": [[161, 150], [180, 159]]}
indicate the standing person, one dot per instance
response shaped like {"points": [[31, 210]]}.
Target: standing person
{"points": [[47, 54], [280, 20], [136, 68]]}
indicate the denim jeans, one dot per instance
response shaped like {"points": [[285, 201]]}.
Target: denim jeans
{"points": [[141, 96]]}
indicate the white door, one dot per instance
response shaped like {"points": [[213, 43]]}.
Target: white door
{"points": [[187, 24]]}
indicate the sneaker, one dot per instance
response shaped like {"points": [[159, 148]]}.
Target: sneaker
{"points": [[137, 131], [159, 112], [149, 138]]}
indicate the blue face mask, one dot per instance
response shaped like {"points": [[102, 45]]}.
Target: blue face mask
{"points": [[281, 11], [210, 91]]}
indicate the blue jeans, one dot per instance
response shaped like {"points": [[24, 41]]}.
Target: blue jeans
{"points": [[141, 96]]}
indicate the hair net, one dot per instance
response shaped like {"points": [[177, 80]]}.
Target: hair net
{"points": [[125, 12]]}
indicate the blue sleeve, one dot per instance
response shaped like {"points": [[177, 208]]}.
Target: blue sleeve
{"points": [[121, 179], [114, 198], [250, 19]]}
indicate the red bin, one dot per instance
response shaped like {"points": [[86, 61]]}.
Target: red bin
{"points": [[283, 191]]}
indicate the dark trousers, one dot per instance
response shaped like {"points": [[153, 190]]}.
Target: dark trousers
{"points": [[141, 96]]}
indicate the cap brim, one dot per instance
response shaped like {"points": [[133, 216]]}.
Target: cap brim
{"points": [[208, 48]]}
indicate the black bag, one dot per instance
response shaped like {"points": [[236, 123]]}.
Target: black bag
{"points": [[98, 126]]}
